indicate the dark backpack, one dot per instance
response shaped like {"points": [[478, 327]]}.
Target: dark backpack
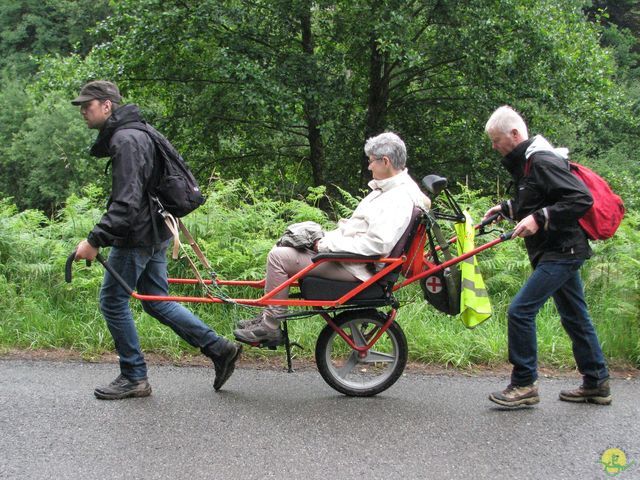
{"points": [[603, 218], [176, 189]]}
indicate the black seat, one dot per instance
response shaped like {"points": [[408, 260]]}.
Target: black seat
{"points": [[379, 293]]}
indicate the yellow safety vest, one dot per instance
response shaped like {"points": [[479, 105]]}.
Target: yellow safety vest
{"points": [[475, 306]]}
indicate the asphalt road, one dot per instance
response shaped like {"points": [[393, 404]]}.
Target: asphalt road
{"points": [[270, 424]]}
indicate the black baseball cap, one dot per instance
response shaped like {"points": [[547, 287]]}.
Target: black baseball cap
{"points": [[98, 90]]}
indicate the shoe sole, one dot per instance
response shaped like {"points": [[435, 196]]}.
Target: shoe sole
{"points": [[133, 394], [524, 402], [271, 344], [231, 366], [259, 343], [595, 400], [242, 326]]}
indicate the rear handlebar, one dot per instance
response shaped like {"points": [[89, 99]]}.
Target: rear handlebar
{"points": [[490, 220], [506, 235], [68, 266]]}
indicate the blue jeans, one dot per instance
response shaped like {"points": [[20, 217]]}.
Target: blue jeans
{"points": [[145, 270], [561, 280]]}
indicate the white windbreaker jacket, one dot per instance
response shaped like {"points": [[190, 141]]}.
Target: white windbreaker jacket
{"points": [[377, 223]]}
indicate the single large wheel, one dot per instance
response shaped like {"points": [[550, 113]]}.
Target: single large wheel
{"points": [[343, 368]]}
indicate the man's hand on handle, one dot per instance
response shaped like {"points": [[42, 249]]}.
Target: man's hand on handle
{"points": [[526, 227], [84, 251], [493, 211]]}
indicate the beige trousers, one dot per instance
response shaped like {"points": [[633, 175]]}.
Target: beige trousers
{"points": [[283, 263]]}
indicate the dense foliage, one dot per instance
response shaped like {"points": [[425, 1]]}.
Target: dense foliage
{"points": [[283, 93]]}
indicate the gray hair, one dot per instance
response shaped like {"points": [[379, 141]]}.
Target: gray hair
{"points": [[505, 119], [389, 145]]}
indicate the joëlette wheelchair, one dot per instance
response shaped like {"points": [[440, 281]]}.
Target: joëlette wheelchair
{"points": [[362, 350]]}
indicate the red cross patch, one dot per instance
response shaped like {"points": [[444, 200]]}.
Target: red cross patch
{"points": [[434, 284]]}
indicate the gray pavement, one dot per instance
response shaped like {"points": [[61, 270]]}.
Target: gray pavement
{"points": [[270, 424]]}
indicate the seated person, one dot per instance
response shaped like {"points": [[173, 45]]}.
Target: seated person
{"points": [[374, 229]]}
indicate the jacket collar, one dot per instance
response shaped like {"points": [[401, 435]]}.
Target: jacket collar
{"points": [[514, 160], [540, 144], [389, 183], [122, 116]]}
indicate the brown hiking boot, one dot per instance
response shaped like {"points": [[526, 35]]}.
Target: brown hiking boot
{"points": [[260, 334], [600, 395], [224, 355], [516, 396]]}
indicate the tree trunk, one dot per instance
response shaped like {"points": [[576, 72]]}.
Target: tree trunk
{"points": [[377, 102], [311, 108]]}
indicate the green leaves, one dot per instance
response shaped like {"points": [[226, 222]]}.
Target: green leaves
{"points": [[283, 93]]}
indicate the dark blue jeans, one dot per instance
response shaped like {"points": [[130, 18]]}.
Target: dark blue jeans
{"points": [[560, 280], [145, 269]]}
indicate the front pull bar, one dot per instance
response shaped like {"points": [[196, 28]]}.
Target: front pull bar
{"points": [[105, 264]]}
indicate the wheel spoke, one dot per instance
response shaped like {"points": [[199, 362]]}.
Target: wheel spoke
{"points": [[372, 333], [349, 365], [378, 357]]}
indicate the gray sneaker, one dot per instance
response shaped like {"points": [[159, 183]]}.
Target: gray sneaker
{"points": [[600, 395], [250, 322], [516, 396], [122, 387], [260, 334]]}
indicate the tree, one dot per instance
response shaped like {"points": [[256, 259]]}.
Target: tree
{"points": [[35, 27], [282, 93], [47, 157]]}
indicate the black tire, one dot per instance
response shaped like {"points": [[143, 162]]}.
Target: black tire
{"points": [[340, 365]]}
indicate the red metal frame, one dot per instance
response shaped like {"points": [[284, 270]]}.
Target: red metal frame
{"points": [[426, 269], [415, 266], [361, 350]]}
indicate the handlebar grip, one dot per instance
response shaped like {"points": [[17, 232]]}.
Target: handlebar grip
{"points": [[506, 235], [490, 219], [68, 267]]}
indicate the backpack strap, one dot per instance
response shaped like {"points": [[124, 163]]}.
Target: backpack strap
{"points": [[174, 227], [142, 126], [527, 165]]}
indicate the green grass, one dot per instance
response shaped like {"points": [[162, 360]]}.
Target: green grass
{"points": [[74, 322], [40, 311]]}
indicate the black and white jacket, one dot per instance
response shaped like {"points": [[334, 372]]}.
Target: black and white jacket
{"points": [[546, 188]]}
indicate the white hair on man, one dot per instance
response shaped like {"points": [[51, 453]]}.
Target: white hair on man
{"points": [[505, 119], [388, 145]]}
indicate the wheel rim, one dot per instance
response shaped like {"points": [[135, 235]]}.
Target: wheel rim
{"points": [[356, 373]]}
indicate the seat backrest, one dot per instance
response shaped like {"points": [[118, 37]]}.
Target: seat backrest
{"points": [[405, 240], [403, 244]]}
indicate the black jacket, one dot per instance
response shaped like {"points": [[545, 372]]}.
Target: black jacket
{"points": [[127, 221], [556, 198]]}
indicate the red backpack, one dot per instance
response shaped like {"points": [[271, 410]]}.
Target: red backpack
{"points": [[603, 218]]}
